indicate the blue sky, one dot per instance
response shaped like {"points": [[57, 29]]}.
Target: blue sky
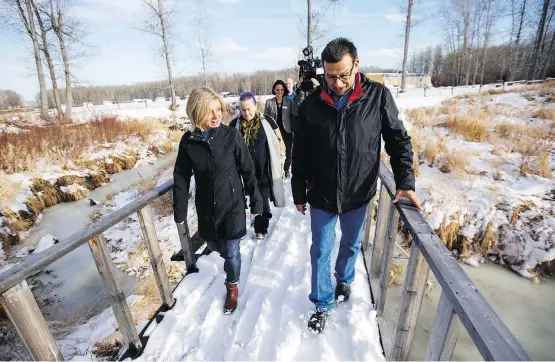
{"points": [[248, 35]]}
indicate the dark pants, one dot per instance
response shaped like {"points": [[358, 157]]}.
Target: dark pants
{"points": [[261, 222], [231, 253], [288, 140]]}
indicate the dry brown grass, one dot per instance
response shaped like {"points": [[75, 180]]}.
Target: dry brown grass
{"points": [[432, 149], [525, 206], [544, 169], [423, 116], [524, 167], [471, 126], [489, 241], [545, 113], [395, 271], [448, 232], [455, 161], [20, 152]]}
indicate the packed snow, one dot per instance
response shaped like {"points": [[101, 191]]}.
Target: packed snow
{"points": [[271, 320]]}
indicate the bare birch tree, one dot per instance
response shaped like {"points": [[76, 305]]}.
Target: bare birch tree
{"points": [[202, 47], [314, 16], [160, 25], [533, 71], [46, 51], [407, 39], [24, 11]]}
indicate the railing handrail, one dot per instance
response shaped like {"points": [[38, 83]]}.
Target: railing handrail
{"points": [[489, 333], [35, 263]]}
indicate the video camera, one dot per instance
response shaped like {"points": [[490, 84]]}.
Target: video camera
{"points": [[308, 69]]}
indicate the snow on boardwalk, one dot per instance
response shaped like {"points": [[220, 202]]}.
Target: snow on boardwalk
{"points": [[270, 321]]}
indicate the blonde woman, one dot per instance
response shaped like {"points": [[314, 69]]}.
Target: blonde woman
{"points": [[263, 139], [219, 158]]}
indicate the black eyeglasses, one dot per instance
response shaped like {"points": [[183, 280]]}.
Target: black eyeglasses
{"points": [[343, 77]]}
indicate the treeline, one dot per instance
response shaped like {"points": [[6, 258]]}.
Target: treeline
{"points": [[10, 99], [467, 56], [259, 82]]}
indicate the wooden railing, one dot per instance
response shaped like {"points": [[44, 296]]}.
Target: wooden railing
{"points": [[24, 313], [460, 300]]}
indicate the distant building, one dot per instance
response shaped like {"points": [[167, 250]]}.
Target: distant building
{"points": [[160, 99], [413, 80], [105, 103]]}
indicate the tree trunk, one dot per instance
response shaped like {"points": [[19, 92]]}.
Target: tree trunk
{"points": [[549, 56], [46, 53], [515, 56], [173, 106], [31, 30], [489, 22], [57, 21], [466, 22], [477, 62], [406, 52], [533, 72], [309, 23]]}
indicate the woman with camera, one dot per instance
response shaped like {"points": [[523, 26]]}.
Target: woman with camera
{"points": [[280, 109], [220, 159], [263, 139]]}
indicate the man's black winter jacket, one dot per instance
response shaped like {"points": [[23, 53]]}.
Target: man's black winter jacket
{"points": [[336, 154]]}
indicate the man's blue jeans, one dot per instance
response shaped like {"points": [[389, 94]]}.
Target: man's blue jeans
{"points": [[231, 253], [323, 240]]}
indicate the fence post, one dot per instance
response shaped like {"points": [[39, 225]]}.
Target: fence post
{"points": [[156, 260], [368, 225], [452, 90], [384, 206], [445, 332], [27, 319], [397, 92], [186, 245], [107, 271], [393, 223], [414, 288]]}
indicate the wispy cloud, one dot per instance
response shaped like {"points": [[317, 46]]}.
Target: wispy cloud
{"points": [[228, 45], [395, 17]]}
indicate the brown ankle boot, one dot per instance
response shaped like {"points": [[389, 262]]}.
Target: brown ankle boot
{"points": [[231, 298]]}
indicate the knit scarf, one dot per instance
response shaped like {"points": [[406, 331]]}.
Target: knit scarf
{"points": [[249, 130]]}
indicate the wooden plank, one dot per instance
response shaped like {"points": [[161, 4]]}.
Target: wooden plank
{"points": [[490, 335], [25, 315], [36, 262], [445, 332], [186, 245], [414, 289], [386, 258], [156, 261], [368, 226], [386, 332], [107, 271], [380, 233]]}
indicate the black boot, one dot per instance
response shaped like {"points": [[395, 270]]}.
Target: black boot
{"points": [[342, 292], [261, 224], [267, 214], [317, 321]]}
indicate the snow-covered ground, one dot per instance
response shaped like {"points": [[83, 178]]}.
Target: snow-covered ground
{"points": [[501, 212], [270, 322]]}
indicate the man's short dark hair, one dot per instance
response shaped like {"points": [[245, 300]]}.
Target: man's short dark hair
{"points": [[282, 83], [337, 49]]}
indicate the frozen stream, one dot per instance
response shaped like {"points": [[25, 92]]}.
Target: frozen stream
{"points": [[78, 286]]}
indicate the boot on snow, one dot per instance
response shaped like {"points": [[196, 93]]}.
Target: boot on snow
{"points": [[317, 321], [342, 292], [261, 223], [231, 298]]}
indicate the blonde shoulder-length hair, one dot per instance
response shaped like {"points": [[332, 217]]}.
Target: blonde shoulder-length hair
{"points": [[198, 105]]}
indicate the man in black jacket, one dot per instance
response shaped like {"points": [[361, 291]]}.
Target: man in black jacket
{"points": [[336, 158]]}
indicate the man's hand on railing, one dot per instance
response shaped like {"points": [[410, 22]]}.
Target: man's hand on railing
{"points": [[409, 194]]}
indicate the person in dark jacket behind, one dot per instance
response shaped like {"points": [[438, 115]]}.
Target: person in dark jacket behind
{"points": [[219, 158], [263, 139], [336, 158], [280, 109]]}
